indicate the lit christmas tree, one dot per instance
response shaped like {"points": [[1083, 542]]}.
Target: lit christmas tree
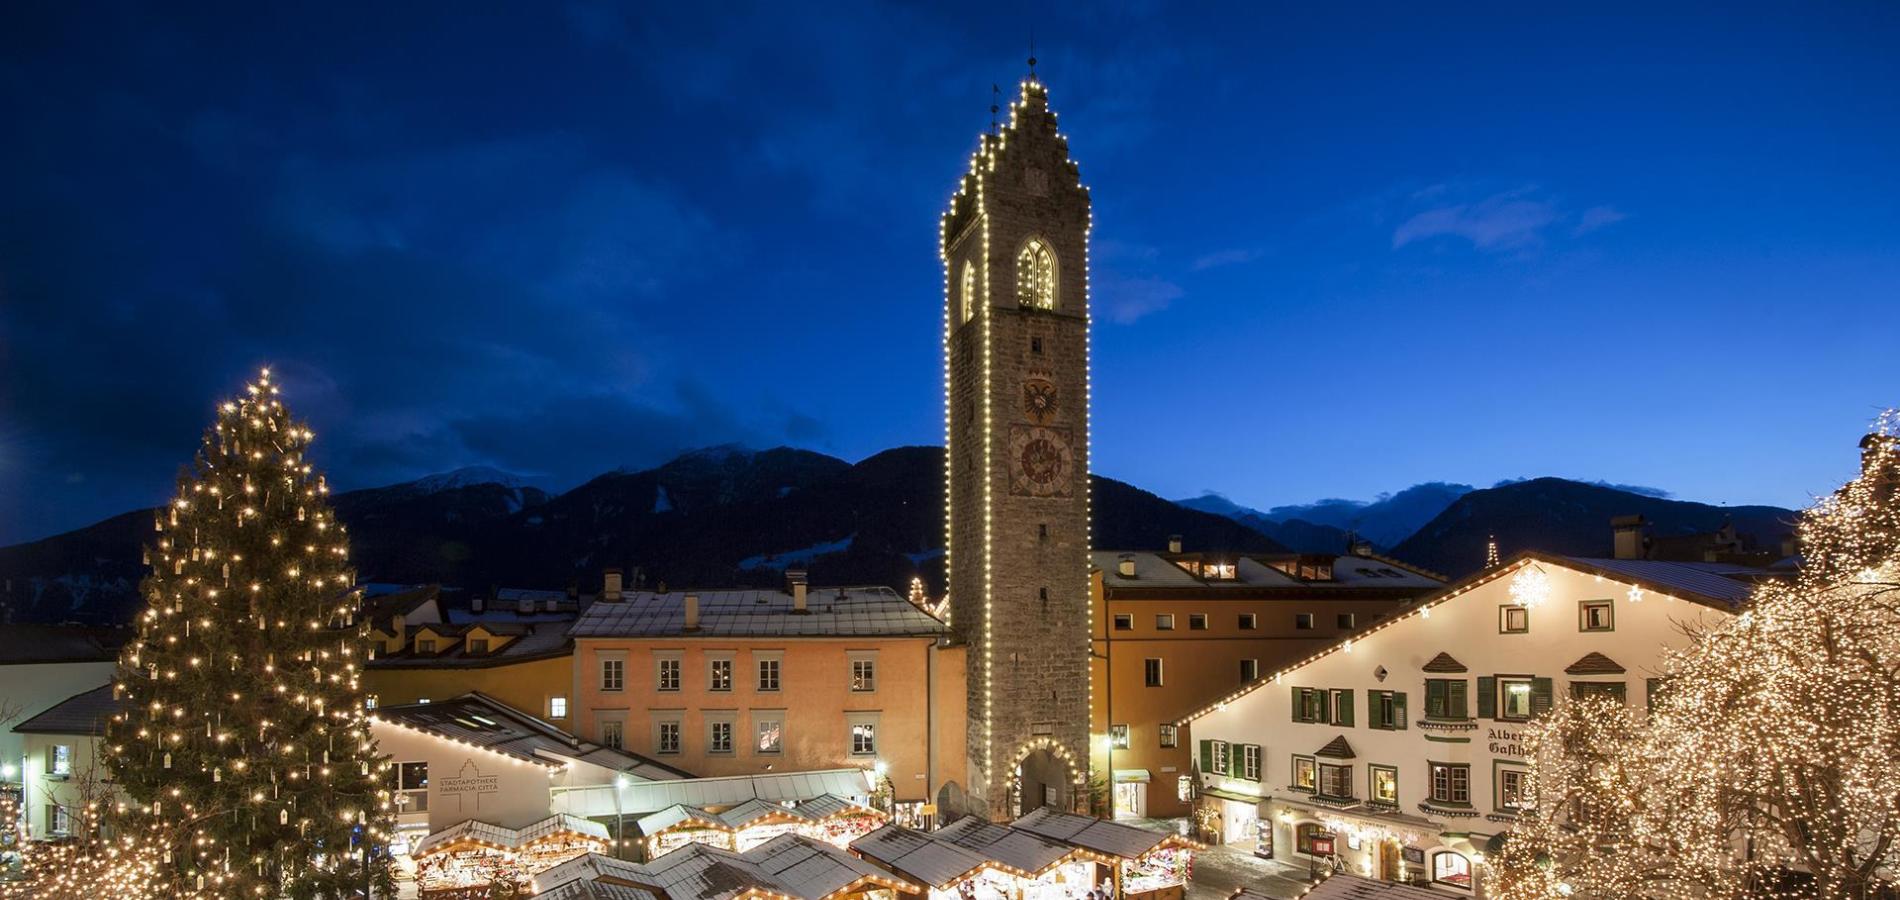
{"points": [[242, 732], [1770, 765]]}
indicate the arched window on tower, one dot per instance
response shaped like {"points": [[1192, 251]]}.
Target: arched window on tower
{"points": [[969, 290], [1036, 275]]}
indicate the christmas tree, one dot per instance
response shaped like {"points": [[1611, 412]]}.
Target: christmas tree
{"points": [[242, 732]]}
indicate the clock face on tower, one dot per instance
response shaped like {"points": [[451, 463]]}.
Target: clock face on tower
{"points": [[1039, 399], [1040, 461]]}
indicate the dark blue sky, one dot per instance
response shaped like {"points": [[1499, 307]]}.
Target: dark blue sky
{"points": [[1338, 251]]}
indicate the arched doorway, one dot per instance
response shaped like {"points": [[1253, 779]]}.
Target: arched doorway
{"points": [[1043, 780]]}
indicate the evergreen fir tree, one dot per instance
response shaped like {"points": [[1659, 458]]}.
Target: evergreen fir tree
{"points": [[242, 729]]}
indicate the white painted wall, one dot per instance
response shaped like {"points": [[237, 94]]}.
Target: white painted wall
{"points": [[36, 687], [43, 789], [467, 782], [1467, 627]]}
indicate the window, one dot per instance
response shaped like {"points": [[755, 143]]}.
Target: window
{"points": [[1342, 708], [668, 676], [1310, 705], [1249, 621], [1595, 615], [1218, 761], [1514, 699], [1118, 736], [969, 290], [1164, 621], [1445, 698], [59, 820], [412, 787], [1124, 622], [1305, 774], [1306, 833], [59, 760], [557, 707], [1250, 762], [1513, 619], [1035, 346], [1346, 620], [1036, 275], [1303, 621], [1513, 793], [1197, 621], [863, 675], [1335, 782], [768, 674], [1168, 736], [422, 699], [1614, 690], [369, 701], [1385, 784], [864, 739], [1249, 670], [1451, 868], [613, 733], [1385, 710], [719, 675], [613, 674], [478, 645], [1451, 783], [718, 737], [770, 733], [1151, 671], [669, 737], [425, 645]]}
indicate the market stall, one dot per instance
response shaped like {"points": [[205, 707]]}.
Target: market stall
{"points": [[950, 864], [1146, 865], [828, 818], [838, 821], [467, 858]]}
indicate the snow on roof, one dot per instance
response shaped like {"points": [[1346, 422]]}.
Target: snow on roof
{"points": [[1258, 571], [478, 720], [859, 611], [1353, 887], [919, 856], [731, 790]]}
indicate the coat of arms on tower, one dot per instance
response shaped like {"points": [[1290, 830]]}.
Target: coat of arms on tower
{"points": [[1039, 399]]}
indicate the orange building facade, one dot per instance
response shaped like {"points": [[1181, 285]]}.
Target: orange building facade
{"points": [[740, 682], [1174, 631]]}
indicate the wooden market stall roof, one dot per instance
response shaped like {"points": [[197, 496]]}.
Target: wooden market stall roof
{"points": [[752, 812], [788, 866], [1016, 849], [796, 787], [474, 832], [919, 856], [1100, 835]]}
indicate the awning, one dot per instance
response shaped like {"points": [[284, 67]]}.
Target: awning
{"points": [[1231, 795], [1131, 776]]}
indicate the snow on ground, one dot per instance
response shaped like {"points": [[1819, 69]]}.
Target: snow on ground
{"points": [[800, 557]]}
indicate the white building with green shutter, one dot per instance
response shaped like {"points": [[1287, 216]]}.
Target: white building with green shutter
{"points": [[1399, 751]]}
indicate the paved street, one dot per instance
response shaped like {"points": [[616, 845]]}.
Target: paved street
{"points": [[1219, 870]]}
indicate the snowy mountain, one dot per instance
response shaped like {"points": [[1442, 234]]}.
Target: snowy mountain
{"points": [[1385, 521]]}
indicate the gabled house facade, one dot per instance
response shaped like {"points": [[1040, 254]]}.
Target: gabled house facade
{"points": [[1399, 753]]}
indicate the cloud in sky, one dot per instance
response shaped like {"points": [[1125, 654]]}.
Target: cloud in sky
{"points": [[1517, 219], [1232, 257], [1125, 299]]}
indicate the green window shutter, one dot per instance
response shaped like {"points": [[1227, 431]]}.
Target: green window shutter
{"points": [[1299, 708], [1487, 697], [1343, 699], [1207, 756], [1398, 709], [1373, 711], [1455, 699], [1434, 698], [1541, 689]]}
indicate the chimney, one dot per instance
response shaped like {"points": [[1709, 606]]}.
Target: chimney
{"points": [[796, 582], [692, 612], [1628, 534], [610, 586], [1174, 543], [1125, 567], [476, 601]]}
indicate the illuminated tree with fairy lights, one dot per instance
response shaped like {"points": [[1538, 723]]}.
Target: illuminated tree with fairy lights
{"points": [[241, 730], [1770, 764]]}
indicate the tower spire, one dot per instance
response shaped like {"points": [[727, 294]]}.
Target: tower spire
{"points": [[1032, 54]]}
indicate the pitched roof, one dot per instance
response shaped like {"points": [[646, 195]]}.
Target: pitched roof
{"points": [[1256, 573], [1444, 662], [652, 796], [919, 856], [1594, 663], [788, 865], [1720, 592], [1337, 748], [82, 713], [477, 831], [1103, 836], [848, 612], [479, 720], [1013, 847], [534, 640]]}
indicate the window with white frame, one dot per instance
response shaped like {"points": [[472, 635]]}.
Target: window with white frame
{"points": [[666, 736], [1250, 762], [613, 733], [1151, 671], [864, 738], [719, 737], [1451, 868], [863, 672], [557, 707], [1168, 735], [59, 819], [768, 731], [1118, 736], [412, 787], [1513, 793], [613, 674], [768, 674], [719, 674], [1249, 670], [666, 675], [1451, 783], [59, 760], [1335, 781]]}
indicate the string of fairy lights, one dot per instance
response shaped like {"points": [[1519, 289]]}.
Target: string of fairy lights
{"points": [[1769, 765], [240, 753]]}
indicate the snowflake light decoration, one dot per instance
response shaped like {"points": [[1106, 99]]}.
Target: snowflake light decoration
{"points": [[1530, 587]]}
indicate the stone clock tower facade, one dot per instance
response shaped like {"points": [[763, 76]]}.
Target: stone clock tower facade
{"points": [[1016, 373]]}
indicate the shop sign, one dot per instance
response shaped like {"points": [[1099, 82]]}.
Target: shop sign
{"points": [[467, 786], [1322, 846], [1505, 742]]}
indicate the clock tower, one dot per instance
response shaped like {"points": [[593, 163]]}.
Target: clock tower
{"points": [[1016, 433]]}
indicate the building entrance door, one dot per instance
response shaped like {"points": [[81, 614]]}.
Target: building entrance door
{"points": [[1390, 853], [1131, 800]]}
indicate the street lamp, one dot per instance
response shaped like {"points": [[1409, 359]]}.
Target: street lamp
{"points": [[620, 817]]}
